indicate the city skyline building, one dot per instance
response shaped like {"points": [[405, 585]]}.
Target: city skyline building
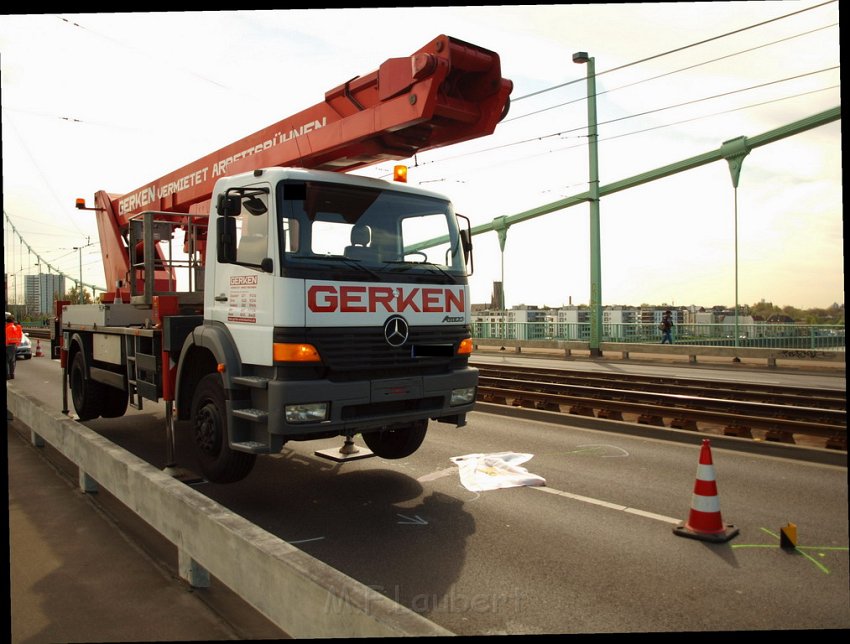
{"points": [[40, 291]]}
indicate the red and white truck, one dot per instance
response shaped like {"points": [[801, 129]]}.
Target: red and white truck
{"points": [[267, 295]]}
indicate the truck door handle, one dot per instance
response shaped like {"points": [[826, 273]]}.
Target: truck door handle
{"points": [[221, 298]]}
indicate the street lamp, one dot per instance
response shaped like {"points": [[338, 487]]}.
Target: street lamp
{"points": [[734, 151], [80, 249], [581, 58]]}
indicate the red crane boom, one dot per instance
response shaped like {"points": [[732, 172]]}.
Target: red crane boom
{"points": [[447, 92]]}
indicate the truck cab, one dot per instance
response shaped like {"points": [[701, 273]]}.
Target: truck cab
{"points": [[337, 305], [305, 302]]}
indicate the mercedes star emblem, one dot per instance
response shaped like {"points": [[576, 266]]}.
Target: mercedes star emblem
{"points": [[395, 331]]}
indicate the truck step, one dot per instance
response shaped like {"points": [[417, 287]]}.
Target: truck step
{"points": [[255, 382], [253, 447], [255, 415]]}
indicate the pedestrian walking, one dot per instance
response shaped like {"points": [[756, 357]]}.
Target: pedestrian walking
{"points": [[14, 335], [666, 327]]}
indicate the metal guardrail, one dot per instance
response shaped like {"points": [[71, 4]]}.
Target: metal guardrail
{"points": [[301, 595]]}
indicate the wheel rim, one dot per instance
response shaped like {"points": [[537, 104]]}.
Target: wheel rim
{"points": [[208, 428]]}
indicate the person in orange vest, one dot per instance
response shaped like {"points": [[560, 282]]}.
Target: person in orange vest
{"points": [[14, 335]]}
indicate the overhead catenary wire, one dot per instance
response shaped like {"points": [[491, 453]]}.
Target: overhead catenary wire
{"points": [[631, 64], [145, 53], [679, 49], [52, 265], [664, 108], [40, 172], [479, 151], [670, 73]]}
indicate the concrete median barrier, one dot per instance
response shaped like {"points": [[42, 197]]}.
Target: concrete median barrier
{"points": [[300, 594]]}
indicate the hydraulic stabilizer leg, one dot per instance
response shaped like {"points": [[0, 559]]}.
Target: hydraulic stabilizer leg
{"points": [[171, 468], [348, 452], [65, 389]]}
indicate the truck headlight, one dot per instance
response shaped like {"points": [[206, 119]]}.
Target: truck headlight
{"points": [[462, 396], [306, 413]]}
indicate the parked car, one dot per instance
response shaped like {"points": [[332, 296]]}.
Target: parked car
{"points": [[24, 351]]}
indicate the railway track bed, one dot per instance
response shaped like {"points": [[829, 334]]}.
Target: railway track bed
{"points": [[794, 415]]}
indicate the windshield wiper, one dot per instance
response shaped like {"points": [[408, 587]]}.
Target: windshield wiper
{"points": [[353, 263], [406, 266]]}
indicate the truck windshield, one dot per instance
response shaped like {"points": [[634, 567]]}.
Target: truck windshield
{"points": [[380, 234]]}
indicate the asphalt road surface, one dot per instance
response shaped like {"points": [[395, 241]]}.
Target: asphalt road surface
{"points": [[591, 551]]}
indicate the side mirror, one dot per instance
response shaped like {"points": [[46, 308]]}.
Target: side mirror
{"points": [[229, 205], [466, 245], [255, 206], [267, 265]]}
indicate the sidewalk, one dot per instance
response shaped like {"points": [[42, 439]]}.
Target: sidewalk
{"points": [[76, 577]]}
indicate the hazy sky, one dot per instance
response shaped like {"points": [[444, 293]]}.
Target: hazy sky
{"points": [[111, 101]]}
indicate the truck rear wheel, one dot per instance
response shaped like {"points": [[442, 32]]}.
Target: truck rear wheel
{"points": [[86, 394], [397, 442], [218, 463]]}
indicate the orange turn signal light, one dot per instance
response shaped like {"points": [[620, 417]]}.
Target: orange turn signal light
{"points": [[465, 347], [295, 352]]}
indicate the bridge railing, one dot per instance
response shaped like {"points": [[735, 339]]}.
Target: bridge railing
{"points": [[753, 335], [822, 343]]}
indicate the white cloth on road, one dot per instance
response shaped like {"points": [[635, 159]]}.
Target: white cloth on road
{"points": [[480, 472]]}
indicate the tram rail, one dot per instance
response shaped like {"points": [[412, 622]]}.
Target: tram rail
{"points": [[795, 415]]}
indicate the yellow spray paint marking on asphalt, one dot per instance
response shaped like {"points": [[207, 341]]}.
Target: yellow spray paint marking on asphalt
{"points": [[799, 549], [604, 451]]}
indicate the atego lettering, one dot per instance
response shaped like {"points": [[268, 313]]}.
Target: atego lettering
{"points": [[328, 298]]}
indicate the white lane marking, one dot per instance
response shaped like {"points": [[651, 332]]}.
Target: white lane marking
{"points": [[610, 506], [414, 520], [576, 497], [292, 543], [619, 452]]}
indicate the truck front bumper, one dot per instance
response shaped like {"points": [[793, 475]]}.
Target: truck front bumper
{"points": [[320, 406]]}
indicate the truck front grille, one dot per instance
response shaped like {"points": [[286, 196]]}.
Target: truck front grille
{"points": [[351, 353]]}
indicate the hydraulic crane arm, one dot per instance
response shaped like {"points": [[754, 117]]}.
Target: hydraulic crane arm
{"points": [[447, 92]]}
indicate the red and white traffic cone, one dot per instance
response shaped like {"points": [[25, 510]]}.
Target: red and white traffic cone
{"points": [[704, 521], [38, 353]]}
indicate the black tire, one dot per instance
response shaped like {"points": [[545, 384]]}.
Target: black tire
{"points": [[217, 462], [114, 402], [397, 442], [86, 394]]}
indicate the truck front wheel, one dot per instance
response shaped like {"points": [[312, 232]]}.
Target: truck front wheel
{"points": [[397, 442], [218, 463]]}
